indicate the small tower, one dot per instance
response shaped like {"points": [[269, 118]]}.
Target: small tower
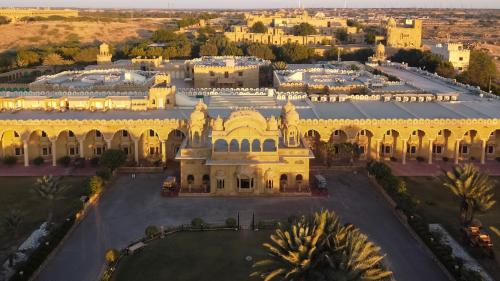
{"points": [[104, 56]]}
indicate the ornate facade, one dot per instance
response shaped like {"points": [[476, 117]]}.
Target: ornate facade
{"points": [[407, 35]]}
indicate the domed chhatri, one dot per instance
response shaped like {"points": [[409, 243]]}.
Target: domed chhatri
{"points": [[218, 124], [272, 124]]}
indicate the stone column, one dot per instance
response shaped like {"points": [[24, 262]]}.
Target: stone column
{"points": [[429, 160], [136, 151], [483, 151], [54, 158], [164, 151], [108, 143], [377, 150], [457, 148], [82, 152], [404, 152], [26, 156]]}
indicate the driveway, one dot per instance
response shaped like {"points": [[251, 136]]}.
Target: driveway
{"points": [[130, 205]]}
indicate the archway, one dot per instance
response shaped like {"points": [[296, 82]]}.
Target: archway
{"points": [[364, 142], [283, 182], [415, 145], [470, 146], [492, 148], [39, 144], [123, 141], [11, 144], [173, 143], [150, 148], [94, 144], [313, 141], [443, 146], [67, 144], [388, 146]]}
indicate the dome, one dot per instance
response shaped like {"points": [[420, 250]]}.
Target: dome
{"points": [[288, 107], [272, 124], [292, 117], [198, 116], [380, 49]]}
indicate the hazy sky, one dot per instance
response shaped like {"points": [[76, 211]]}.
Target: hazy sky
{"points": [[245, 4]]}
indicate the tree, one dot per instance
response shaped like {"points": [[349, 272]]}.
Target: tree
{"points": [[208, 49], [445, 69], [360, 55], [320, 248], [258, 27], [481, 69], [304, 29], [231, 50], [4, 20], [26, 58], [10, 226], [49, 188], [113, 158], [87, 55], [473, 188], [295, 53], [341, 35], [96, 185], [163, 35], [54, 59], [260, 50], [279, 65]]}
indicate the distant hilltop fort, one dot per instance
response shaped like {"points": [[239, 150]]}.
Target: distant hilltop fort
{"points": [[18, 13]]}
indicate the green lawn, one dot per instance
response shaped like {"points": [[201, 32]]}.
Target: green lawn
{"points": [[17, 193], [439, 205], [217, 255]]}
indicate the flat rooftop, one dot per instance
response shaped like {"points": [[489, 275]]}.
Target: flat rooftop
{"points": [[228, 61]]}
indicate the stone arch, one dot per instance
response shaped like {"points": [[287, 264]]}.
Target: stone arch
{"points": [[470, 145], [234, 146], [269, 145], [122, 140], [283, 182], [150, 146], [221, 145], [389, 144], [364, 140], [67, 144], [492, 145], [415, 146], [175, 138], [245, 146], [444, 144], [94, 144], [256, 146], [39, 144], [11, 144]]}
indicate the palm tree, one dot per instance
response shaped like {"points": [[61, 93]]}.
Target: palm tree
{"points": [[474, 189], [279, 65], [10, 225], [50, 189], [319, 248], [329, 148]]}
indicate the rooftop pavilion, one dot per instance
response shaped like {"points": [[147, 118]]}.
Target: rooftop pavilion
{"points": [[119, 80], [227, 61]]}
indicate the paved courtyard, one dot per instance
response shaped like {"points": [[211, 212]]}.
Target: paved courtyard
{"points": [[130, 205]]}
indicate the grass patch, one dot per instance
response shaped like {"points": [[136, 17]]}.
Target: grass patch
{"points": [[17, 193], [188, 255], [439, 205]]}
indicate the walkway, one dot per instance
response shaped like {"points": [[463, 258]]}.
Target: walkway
{"points": [[131, 205], [19, 170], [415, 168]]}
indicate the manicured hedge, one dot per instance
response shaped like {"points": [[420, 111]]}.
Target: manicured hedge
{"points": [[396, 188]]}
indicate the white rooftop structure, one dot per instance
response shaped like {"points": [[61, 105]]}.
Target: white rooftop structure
{"points": [[228, 61]]}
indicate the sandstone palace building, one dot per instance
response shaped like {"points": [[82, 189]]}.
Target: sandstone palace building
{"points": [[242, 140]]}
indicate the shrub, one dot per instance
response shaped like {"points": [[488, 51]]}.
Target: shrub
{"points": [[94, 162], [151, 231], [79, 162], [197, 222], [38, 161], [64, 161], [231, 222], [113, 158], [393, 159], [104, 173], [96, 185], [445, 159], [498, 159], [111, 256], [420, 159], [10, 160]]}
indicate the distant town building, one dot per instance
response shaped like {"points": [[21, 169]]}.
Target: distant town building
{"points": [[455, 53], [406, 35], [104, 56], [275, 36], [16, 14], [296, 18], [225, 71]]}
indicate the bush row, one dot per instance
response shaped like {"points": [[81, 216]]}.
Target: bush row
{"points": [[396, 188]]}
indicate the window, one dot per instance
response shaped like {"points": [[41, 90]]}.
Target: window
{"points": [[240, 73], [256, 145], [269, 184], [124, 133], [151, 150], [245, 146], [387, 149], [19, 151], [220, 146], [414, 133], [245, 183], [490, 149], [440, 133], [361, 149], [388, 133], [413, 149], [220, 184], [269, 145], [336, 133], [151, 133], [153, 102], [190, 179], [98, 150], [71, 134], [212, 73], [460, 58], [298, 178], [464, 149], [46, 151], [16, 134], [226, 74], [362, 132], [234, 146], [71, 150], [125, 149], [437, 149], [98, 134]]}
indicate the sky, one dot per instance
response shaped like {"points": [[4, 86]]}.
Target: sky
{"points": [[252, 4]]}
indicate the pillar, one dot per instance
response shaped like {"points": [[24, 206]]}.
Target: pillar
{"points": [[26, 156], [136, 150], [457, 147], [164, 151], [404, 152], [82, 152], [108, 143], [54, 147], [483, 151], [377, 149], [429, 159]]}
